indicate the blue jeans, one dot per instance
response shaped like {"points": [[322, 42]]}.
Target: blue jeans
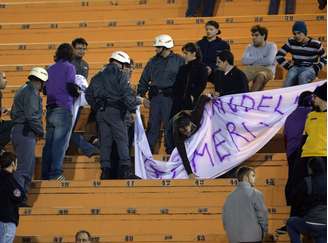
{"points": [[193, 6], [86, 148], [299, 75], [297, 226], [7, 232], [59, 125]]}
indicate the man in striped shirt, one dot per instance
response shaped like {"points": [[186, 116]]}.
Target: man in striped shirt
{"points": [[308, 56]]}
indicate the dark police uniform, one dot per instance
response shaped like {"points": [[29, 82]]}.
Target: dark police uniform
{"points": [[110, 96]]}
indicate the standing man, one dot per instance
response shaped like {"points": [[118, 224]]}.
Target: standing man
{"points": [[260, 58], [60, 90], [26, 114], [308, 56], [229, 79], [80, 46], [5, 126], [82, 68], [12, 195], [210, 45], [110, 96], [245, 216], [157, 79]]}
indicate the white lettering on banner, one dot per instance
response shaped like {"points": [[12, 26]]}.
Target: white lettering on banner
{"points": [[233, 128]]}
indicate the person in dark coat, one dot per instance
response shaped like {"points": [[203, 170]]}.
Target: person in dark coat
{"points": [[210, 45], [12, 195], [191, 80]]}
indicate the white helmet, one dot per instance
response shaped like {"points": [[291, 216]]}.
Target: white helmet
{"points": [[163, 41], [121, 56], [39, 73]]}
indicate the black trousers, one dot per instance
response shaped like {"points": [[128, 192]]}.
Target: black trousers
{"points": [[5, 130]]}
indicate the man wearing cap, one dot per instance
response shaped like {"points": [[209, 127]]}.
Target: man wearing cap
{"points": [[5, 126], [158, 78], [308, 56], [26, 114], [110, 96]]}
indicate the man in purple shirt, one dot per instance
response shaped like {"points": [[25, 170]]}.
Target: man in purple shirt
{"points": [[60, 90], [293, 132]]}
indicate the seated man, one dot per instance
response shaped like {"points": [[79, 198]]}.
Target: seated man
{"points": [[181, 127], [260, 58], [5, 126], [308, 56], [228, 79], [311, 193]]}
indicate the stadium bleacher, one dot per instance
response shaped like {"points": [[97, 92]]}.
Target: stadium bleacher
{"points": [[138, 210]]}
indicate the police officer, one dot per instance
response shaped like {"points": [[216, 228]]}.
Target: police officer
{"points": [[26, 114], [12, 195], [157, 79], [110, 96]]}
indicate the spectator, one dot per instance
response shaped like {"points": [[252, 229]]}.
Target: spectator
{"points": [[158, 79], [11, 195], [315, 133], [322, 4], [82, 236], [210, 45], [245, 216], [293, 131], [26, 114], [260, 58], [289, 8], [5, 126], [60, 90], [82, 68], [229, 79], [194, 5], [181, 127], [191, 80], [80, 46], [308, 56], [311, 193], [110, 96]]}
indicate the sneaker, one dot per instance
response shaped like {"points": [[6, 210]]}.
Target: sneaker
{"points": [[126, 172], [282, 230], [61, 178], [105, 174]]}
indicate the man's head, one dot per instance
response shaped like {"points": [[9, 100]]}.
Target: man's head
{"points": [[163, 45], [64, 52], [305, 99], [212, 29], [121, 59], [79, 47], [3, 80], [184, 125], [246, 174], [224, 59], [38, 76], [8, 162], [300, 31], [320, 97], [259, 35], [82, 236], [191, 51]]}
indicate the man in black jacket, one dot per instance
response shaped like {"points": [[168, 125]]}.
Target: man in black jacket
{"points": [[26, 114], [229, 79], [181, 127], [110, 96], [11, 194]]}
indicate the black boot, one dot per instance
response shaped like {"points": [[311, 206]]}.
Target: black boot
{"points": [[105, 174], [126, 172]]}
